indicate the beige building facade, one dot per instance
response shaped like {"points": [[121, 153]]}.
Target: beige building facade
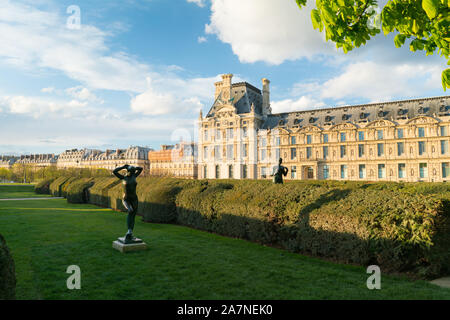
{"points": [[392, 141]]}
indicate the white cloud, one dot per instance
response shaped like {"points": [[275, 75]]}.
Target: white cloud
{"points": [[266, 30], [83, 94], [302, 103], [200, 3], [201, 39], [48, 90], [377, 82]]}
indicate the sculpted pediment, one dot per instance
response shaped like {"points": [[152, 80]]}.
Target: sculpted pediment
{"points": [[310, 128], [344, 126], [422, 120], [380, 123]]}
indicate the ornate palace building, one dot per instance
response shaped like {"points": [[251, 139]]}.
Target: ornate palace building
{"points": [[240, 137]]}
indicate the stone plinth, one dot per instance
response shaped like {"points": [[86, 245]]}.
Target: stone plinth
{"points": [[123, 247]]}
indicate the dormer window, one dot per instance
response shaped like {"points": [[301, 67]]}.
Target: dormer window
{"points": [[362, 115], [281, 122], [381, 113], [297, 121], [312, 120], [345, 117], [328, 118]]}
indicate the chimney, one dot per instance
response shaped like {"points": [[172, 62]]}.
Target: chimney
{"points": [[266, 97], [218, 89], [226, 87]]}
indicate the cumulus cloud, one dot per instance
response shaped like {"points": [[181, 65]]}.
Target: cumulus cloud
{"points": [[302, 103], [266, 30], [83, 94], [201, 39], [200, 3]]}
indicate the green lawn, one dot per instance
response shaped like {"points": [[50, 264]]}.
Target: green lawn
{"points": [[47, 236], [18, 190]]}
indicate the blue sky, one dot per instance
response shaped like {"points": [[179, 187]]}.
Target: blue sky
{"points": [[137, 72]]}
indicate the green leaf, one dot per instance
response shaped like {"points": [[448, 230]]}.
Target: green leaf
{"points": [[446, 79], [315, 18], [399, 40], [430, 7]]}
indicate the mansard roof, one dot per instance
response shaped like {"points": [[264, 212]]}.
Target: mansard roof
{"points": [[243, 95], [362, 114]]}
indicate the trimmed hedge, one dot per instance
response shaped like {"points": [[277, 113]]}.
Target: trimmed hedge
{"points": [[56, 186], [98, 193], [77, 190], [43, 186], [402, 227], [7, 273]]}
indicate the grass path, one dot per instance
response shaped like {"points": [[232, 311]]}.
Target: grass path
{"points": [[45, 237], [13, 191]]}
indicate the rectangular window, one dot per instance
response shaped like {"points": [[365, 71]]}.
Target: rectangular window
{"points": [[293, 153], [263, 172], [244, 132], [421, 131], [401, 170], [343, 171], [218, 135], [343, 137], [230, 172], [217, 152], [245, 150], [360, 150], [326, 171], [263, 142], [380, 134], [244, 171], [445, 170], [308, 152], [361, 135], [381, 171], [400, 133], [308, 139], [230, 150], [362, 171], [263, 154], [325, 152], [205, 152], [443, 131], [277, 154], [444, 146], [343, 151], [380, 149], [217, 171], [421, 147], [277, 141], [293, 140], [325, 138], [206, 135], [400, 148], [205, 172], [293, 172], [423, 170], [230, 133]]}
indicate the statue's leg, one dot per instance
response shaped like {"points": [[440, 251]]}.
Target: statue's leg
{"points": [[130, 218]]}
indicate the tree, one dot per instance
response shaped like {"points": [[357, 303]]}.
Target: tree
{"points": [[351, 23]]}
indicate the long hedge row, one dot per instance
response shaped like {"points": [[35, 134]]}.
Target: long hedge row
{"points": [[400, 227]]}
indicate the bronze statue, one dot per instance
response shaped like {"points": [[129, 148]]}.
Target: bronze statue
{"points": [[130, 199], [279, 172]]}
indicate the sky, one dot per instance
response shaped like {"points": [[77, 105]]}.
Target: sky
{"points": [[109, 74]]}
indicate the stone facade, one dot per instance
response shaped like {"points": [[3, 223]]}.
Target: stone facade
{"points": [[392, 141], [111, 159], [174, 161]]}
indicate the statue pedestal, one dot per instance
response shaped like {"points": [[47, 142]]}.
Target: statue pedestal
{"points": [[135, 245]]}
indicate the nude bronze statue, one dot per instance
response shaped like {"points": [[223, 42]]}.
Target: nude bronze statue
{"points": [[130, 199], [279, 172]]}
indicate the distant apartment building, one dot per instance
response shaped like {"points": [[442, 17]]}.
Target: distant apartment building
{"points": [[111, 159], [7, 161], [38, 160], [391, 141], [174, 160]]}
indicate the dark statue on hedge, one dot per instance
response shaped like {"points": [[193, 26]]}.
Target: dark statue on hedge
{"points": [[130, 199], [279, 172]]}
